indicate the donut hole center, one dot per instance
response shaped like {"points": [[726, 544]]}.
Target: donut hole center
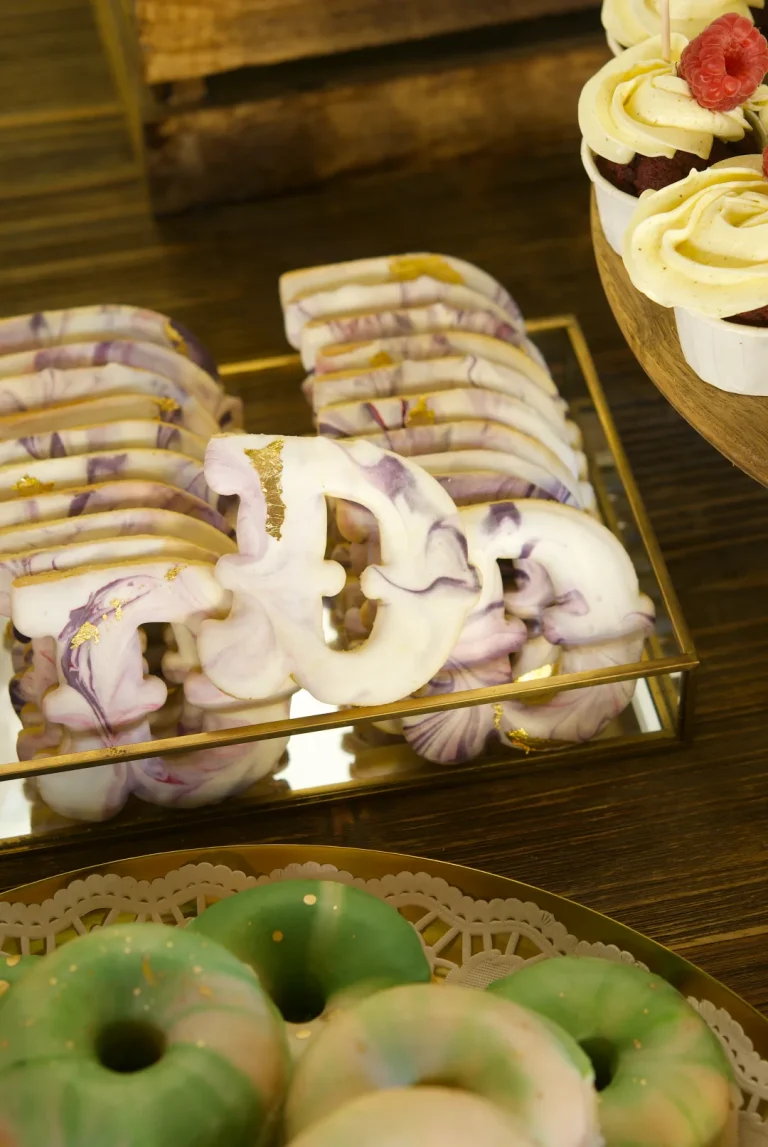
{"points": [[128, 1046], [300, 1002], [602, 1053]]}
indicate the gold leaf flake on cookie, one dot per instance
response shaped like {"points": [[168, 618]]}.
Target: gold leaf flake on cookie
{"points": [[27, 486], [419, 414], [172, 573], [177, 341], [519, 739], [268, 464], [117, 605], [405, 268], [168, 405], [86, 632]]}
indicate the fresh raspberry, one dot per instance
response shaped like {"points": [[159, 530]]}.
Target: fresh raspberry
{"points": [[725, 64]]}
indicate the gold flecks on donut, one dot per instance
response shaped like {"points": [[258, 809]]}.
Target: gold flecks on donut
{"points": [[12, 961], [86, 632], [277, 937], [310, 898], [305, 1033], [4, 986], [268, 464], [147, 973]]}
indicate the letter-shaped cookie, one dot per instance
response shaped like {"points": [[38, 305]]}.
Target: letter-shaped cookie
{"points": [[425, 585], [103, 698]]}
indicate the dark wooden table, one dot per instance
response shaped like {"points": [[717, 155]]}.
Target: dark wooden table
{"points": [[674, 845]]}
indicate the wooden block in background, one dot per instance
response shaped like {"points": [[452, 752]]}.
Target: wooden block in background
{"points": [[517, 102], [193, 38]]}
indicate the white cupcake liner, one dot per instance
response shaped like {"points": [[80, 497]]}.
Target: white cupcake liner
{"points": [[614, 207], [730, 356]]}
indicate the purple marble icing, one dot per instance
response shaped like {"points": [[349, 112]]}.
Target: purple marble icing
{"points": [[127, 494], [106, 321]]}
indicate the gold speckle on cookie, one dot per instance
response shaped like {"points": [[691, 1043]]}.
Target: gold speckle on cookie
{"points": [[381, 359], [498, 713], [172, 573], [268, 464], [27, 486], [86, 632], [419, 414], [305, 1033], [177, 340], [117, 605], [405, 268], [12, 961], [277, 937], [310, 898], [167, 405]]}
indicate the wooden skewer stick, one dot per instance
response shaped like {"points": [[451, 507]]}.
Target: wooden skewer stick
{"points": [[666, 33]]}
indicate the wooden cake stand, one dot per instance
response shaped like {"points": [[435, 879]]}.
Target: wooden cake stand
{"points": [[736, 425]]}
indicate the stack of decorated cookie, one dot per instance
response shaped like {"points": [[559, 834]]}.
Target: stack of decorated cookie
{"points": [[105, 414], [427, 356]]}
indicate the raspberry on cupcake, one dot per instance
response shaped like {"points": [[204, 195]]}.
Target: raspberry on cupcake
{"points": [[647, 121]]}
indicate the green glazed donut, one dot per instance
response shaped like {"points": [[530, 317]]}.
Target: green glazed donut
{"points": [[316, 946], [13, 969], [432, 1035], [417, 1117], [142, 1036], [664, 1077]]}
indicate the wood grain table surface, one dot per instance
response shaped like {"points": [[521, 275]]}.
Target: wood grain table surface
{"points": [[675, 845]]}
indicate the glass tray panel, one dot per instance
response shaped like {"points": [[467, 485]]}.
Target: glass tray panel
{"points": [[347, 759]]}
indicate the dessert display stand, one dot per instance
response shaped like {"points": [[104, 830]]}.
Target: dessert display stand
{"points": [[735, 424]]}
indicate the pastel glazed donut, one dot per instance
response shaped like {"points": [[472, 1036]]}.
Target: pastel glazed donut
{"points": [[444, 1036], [420, 1117], [140, 1035], [664, 1077], [316, 946]]}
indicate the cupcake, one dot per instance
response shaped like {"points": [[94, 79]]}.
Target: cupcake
{"points": [[648, 121], [701, 247], [630, 22]]}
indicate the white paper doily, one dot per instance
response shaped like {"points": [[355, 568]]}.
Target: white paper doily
{"points": [[467, 941]]}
